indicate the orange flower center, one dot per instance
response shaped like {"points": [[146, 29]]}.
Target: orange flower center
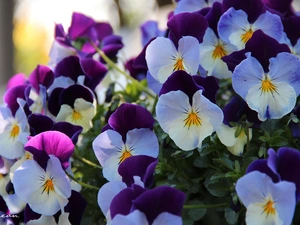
{"points": [[246, 36], [192, 120]]}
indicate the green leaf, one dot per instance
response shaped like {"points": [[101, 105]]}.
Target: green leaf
{"points": [[217, 176], [231, 216], [219, 189], [278, 141], [202, 162], [196, 214], [225, 162], [207, 150]]}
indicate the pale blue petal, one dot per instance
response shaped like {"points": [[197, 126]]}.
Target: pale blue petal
{"points": [[134, 218], [232, 21], [285, 67], [247, 74], [167, 219], [110, 168], [270, 24], [189, 6]]}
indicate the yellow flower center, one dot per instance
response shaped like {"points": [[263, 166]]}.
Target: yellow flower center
{"points": [[76, 115], [269, 208], [125, 154], [267, 85], [219, 52], [178, 65], [48, 186], [246, 36], [192, 120], [14, 131]]}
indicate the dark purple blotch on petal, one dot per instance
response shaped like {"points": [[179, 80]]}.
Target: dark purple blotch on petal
{"points": [[210, 85], [137, 73], [71, 130], [53, 101], [130, 116], [264, 47], [10, 97], [29, 214], [253, 8], [187, 24], [39, 123], [95, 72], [41, 75], [234, 59], [50, 143], [69, 67], [73, 92], [76, 207], [142, 166], [289, 25], [236, 109], [213, 16], [181, 80], [158, 200]]}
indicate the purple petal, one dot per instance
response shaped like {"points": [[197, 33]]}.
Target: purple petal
{"points": [[289, 25], [76, 207], [285, 7], [178, 26], [50, 143], [253, 8], [29, 214], [234, 59], [122, 202], [111, 45], [95, 72], [41, 75], [103, 30], [69, 67], [16, 80], [141, 165], [71, 93], [149, 31], [137, 73], [210, 85], [181, 80], [129, 116], [53, 101], [10, 97], [140, 60], [288, 165], [263, 47], [61, 36], [261, 165], [72, 131], [39, 123], [213, 16], [158, 200], [79, 25]]}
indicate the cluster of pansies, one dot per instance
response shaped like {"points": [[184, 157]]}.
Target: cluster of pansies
{"points": [[204, 129]]}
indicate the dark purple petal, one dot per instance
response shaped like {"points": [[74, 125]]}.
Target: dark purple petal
{"points": [[95, 72], [234, 59], [39, 123], [61, 36], [140, 60], [264, 47], [295, 129], [214, 15], [149, 31], [158, 200], [236, 108], [261, 165], [10, 97], [128, 117], [41, 75], [122, 202], [50, 143], [69, 67], [289, 25], [285, 7], [3, 206], [253, 8], [29, 214], [72, 131], [289, 167], [181, 80], [79, 25], [111, 45], [187, 24], [106, 127], [76, 207], [141, 165], [16, 80], [71, 93], [53, 101], [210, 85], [103, 30], [137, 73]]}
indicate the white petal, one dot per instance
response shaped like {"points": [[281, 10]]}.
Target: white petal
{"points": [[134, 218], [142, 142], [254, 216], [107, 192], [226, 135], [160, 53], [49, 220], [64, 219], [167, 219], [110, 168]]}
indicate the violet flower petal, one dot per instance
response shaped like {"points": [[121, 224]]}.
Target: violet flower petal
{"points": [[41, 75]]}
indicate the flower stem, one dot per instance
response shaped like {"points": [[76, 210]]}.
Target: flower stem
{"points": [[86, 161], [111, 64], [82, 183], [205, 206]]}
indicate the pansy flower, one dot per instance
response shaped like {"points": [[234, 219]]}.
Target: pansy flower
{"points": [[14, 131], [128, 133], [267, 203], [185, 113], [193, 5], [239, 22]]}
